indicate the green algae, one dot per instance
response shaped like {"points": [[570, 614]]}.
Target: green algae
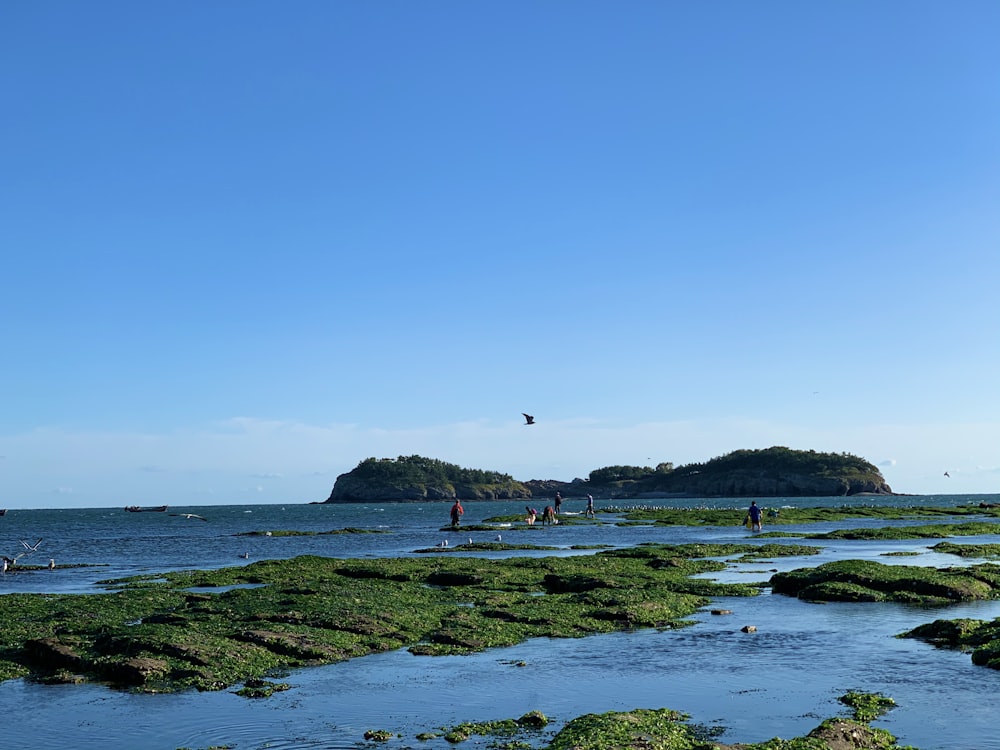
{"points": [[869, 581], [258, 688], [483, 547], [981, 637], [929, 531], [665, 729], [155, 633], [651, 729], [968, 550], [867, 706], [293, 532], [531, 721], [787, 516]]}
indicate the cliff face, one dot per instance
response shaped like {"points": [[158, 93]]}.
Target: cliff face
{"points": [[351, 489]]}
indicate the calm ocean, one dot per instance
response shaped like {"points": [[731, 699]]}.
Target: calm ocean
{"points": [[781, 682]]}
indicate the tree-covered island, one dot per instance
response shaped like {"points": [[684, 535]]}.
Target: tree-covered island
{"points": [[768, 472]]}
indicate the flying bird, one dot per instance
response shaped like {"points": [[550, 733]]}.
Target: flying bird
{"points": [[28, 549], [947, 474], [189, 516], [528, 419]]}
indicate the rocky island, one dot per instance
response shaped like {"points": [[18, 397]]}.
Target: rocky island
{"points": [[768, 472]]}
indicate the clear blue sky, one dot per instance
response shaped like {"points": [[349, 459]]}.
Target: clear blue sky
{"points": [[248, 244]]}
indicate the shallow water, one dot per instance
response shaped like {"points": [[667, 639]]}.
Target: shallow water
{"points": [[780, 681]]}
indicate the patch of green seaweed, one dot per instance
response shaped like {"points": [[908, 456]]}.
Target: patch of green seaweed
{"points": [[870, 581], [984, 551], [981, 637], [665, 729], [867, 706], [787, 516], [153, 633], [929, 531], [293, 532], [482, 547]]}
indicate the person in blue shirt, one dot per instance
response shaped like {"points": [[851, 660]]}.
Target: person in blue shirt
{"points": [[754, 513]]}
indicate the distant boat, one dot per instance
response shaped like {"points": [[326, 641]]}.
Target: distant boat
{"points": [[3, 511], [140, 509]]}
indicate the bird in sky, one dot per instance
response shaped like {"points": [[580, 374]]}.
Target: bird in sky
{"points": [[28, 549], [947, 474], [189, 516], [528, 419]]}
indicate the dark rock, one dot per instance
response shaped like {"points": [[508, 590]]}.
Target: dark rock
{"points": [[135, 671], [51, 653]]}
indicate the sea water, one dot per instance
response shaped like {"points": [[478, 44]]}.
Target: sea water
{"points": [[780, 681]]}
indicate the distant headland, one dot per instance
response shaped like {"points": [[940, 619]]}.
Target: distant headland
{"points": [[768, 472]]}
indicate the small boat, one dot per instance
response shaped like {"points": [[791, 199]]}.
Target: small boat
{"points": [[3, 511], [140, 509]]}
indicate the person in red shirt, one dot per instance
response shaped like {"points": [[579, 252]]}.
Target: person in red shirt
{"points": [[457, 511]]}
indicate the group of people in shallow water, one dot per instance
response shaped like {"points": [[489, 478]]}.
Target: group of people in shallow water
{"points": [[549, 513]]}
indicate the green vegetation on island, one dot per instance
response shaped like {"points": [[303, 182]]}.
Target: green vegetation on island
{"points": [[418, 478], [769, 472]]}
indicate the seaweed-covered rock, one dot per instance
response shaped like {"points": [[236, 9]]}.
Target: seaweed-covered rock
{"points": [[980, 636], [844, 734], [135, 671], [864, 580], [52, 653]]}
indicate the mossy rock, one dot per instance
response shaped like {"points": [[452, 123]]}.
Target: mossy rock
{"points": [[982, 637], [864, 580]]}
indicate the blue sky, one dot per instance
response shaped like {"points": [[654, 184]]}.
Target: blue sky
{"points": [[248, 244]]}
